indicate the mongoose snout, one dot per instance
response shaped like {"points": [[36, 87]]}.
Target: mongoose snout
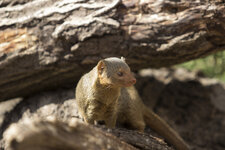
{"points": [[131, 82]]}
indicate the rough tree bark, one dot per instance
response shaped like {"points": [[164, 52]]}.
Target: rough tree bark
{"points": [[53, 134], [50, 43], [47, 135]]}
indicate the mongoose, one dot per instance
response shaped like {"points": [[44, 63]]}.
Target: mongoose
{"points": [[107, 94]]}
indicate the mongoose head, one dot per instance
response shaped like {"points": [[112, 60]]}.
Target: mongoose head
{"points": [[115, 72]]}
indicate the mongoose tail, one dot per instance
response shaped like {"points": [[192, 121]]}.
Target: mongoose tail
{"points": [[161, 127]]}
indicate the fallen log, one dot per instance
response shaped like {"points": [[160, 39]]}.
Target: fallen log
{"points": [[48, 44]]}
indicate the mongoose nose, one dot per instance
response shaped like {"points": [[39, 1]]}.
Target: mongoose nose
{"points": [[133, 81]]}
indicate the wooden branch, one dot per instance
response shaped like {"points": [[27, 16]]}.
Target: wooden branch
{"points": [[38, 134], [47, 44], [143, 141]]}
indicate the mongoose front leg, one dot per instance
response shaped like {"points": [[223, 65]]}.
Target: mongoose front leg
{"points": [[90, 116], [89, 120], [111, 114], [110, 122]]}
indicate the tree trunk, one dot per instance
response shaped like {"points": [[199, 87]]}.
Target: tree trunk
{"points": [[50, 43], [49, 135]]}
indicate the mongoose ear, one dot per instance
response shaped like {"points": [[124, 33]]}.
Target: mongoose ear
{"points": [[101, 66], [123, 59]]}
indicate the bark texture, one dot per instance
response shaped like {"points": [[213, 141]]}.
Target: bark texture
{"points": [[49, 135], [49, 43]]}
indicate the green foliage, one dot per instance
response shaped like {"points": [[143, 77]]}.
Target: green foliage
{"points": [[211, 66]]}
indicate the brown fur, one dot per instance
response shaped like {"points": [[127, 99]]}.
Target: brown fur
{"points": [[104, 94]]}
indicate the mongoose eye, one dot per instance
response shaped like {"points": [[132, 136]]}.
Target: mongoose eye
{"points": [[101, 70], [120, 73]]}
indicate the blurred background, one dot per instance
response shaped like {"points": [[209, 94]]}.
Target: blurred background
{"points": [[212, 66]]}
